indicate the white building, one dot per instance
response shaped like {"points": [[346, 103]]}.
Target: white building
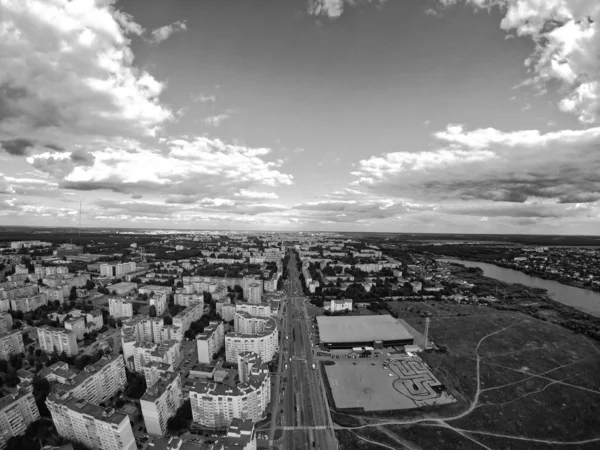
{"points": [[210, 341], [17, 411], [94, 320], [160, 402], [254, 293], [95, 427], [57, 340], [339, 305], [258, 335], [184, 318], [11, 343], [216, 405], [6, 322], [77, 325], [120, 307], [159, 301], [116, 270]]}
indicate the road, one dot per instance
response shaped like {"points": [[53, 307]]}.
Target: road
{"points": [[306, 420]]}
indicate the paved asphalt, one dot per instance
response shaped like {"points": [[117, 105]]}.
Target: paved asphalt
{"points": [[306, 419]]}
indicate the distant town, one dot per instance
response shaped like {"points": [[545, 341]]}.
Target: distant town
{"points": [[171, 340]]}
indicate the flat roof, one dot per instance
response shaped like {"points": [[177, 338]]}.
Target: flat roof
{"points": [[361, 329]]}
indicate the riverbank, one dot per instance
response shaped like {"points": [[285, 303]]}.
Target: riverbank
{"points": [[531, 273], [532, 301]]}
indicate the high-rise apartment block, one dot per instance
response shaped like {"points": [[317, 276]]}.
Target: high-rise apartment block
{"points": [[210, 341], [77, 325], [95, 427], [120, 307], [257, 334], [216, 405], [6, 322], [184, 318], [17, 411], [159, 301], [57, 340], [160, 402], [11, 343], [116, 270]]}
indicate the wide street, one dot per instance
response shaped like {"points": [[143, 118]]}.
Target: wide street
{"points": [[306, 420]]}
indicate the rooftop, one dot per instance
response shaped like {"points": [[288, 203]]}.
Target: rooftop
{"points": [[361, 329]]}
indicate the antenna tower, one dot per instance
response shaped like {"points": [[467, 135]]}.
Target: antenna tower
{"points": [[427, 320], [79, 222]]}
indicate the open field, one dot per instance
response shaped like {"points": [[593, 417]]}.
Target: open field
{"points": [[365, 383], [522, 384]]}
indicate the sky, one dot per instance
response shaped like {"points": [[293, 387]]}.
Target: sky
{"points": [[458, 116]]}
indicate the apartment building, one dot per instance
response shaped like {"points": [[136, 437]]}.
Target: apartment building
{"points": [[227, 311], [11, 343], [216, 405], [168, 352], [188, 299], [339, 305], [17, 411], [6, 322], [117, 270], [184, 318], [94, 320], [57, 340], [95, 427], [120, 307], [96, 383], [264, 343], [257, 310], [210, 341], [160, 402], [159, 301], [29, 303], [16, 290], [77, 325]]}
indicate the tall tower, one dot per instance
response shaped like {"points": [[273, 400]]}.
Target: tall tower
{"points": [[427, 320]]}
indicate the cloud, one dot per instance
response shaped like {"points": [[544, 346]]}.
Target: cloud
{"points": [[17, 147], [203, 98], [256, 195], [216, 121], [333, 9], [566, 34], [68, 75], [163, 33], [188, 170], [488, 164]]}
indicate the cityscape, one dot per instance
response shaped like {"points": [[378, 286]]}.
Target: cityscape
{"points": [[299, 224]]}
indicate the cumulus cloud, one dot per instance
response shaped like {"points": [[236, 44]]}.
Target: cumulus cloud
{"points": [[190, 169], [68, 75], [566, 34], [202, 98], [244, 193], [488, 164], [333, 9], [163, 33]]}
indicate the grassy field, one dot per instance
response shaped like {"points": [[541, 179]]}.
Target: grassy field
{"points": [[538, 382]]}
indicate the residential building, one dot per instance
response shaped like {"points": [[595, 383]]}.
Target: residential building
{"points": [[159, 301], [168, 352], [95, 427], [264, 343], [6, 322], [210, 341], [256, 310], [76, 324], [184, 318], [228, 312], [17, 411], [29, 303], [116, 270], [254, 293], [94, 320], [188, 299], [57, 340], [160, 402], [216, 405], [11, 343], [120, 307], [344, 304], [122, 288]]}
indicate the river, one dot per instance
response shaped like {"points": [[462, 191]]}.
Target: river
{"points": [[581, 299]]}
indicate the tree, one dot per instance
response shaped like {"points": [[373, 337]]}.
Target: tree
{"points": [[152, 311], [73, 294], [89, 285], [167, 320], [145, 296]]}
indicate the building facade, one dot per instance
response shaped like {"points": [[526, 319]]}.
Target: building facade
{"points": [[210, 342], [160, 402], [57, 340], [11, 343], [17, 411]]}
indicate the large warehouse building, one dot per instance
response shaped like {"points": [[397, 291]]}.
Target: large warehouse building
{"points": [[358, 331]]}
